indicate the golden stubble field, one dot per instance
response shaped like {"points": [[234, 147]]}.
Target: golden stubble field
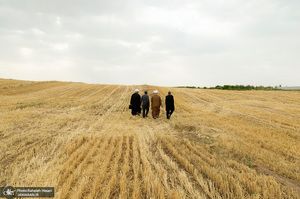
{"points": [[82, 140]]}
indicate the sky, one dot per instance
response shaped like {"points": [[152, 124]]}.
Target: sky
{"points": [[156, 42]]}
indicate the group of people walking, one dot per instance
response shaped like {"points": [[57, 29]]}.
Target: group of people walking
{"points": [[137, 103]]}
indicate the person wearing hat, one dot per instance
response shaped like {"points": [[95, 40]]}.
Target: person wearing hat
{"points": [[145, 104], [169, 105], [155, 104], [135, 103]]}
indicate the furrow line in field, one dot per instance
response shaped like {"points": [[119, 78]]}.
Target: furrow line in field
{"points": [[210, 172], [72, 147], [109, 95], [112, 188], [201, 152], [33, 147], [124, 177], [186, 180], [158, 169], [251, 182], [211, 161], [122, 104], [81, 172], [74, 161], [180, 184], [262, 121], [93, 93], [93, 168], [130, 173], [59, 90], [67, 92], [137, 177], [106, 103], [174, 186], [53, 92], [85, 93], [35, 95], [193, 97], [103, 170], [15, 152], [151, 186], [238, 184], [80, 91], [186, 177], [113, 104], [116, 102], [174, 154]]}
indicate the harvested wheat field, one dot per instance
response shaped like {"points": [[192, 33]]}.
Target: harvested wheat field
{"points": [[82, 140]]}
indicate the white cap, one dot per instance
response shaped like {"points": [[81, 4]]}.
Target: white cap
{"points": [[137, 90], [155, 91]]}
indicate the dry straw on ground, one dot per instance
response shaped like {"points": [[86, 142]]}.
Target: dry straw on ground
{"points": [[82, 140]]}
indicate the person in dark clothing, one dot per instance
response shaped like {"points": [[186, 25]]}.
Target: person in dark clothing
{"points": [[169, 105], [135, 103], [145, 104]]}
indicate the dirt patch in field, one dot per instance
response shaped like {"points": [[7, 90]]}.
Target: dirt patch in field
{"points": [[290, 183], [195, 137]]}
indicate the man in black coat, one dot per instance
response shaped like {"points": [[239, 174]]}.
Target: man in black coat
{"points": [[145, 104], [169, 105], [135, 103]]}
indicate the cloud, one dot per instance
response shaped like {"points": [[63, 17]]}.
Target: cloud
{"points": [[169, 43]]}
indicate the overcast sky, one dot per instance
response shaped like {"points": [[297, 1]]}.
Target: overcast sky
{"points": [[156, 42]]}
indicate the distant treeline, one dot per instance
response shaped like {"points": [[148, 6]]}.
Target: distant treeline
{"points": [[187, 87], [235, 87]]}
